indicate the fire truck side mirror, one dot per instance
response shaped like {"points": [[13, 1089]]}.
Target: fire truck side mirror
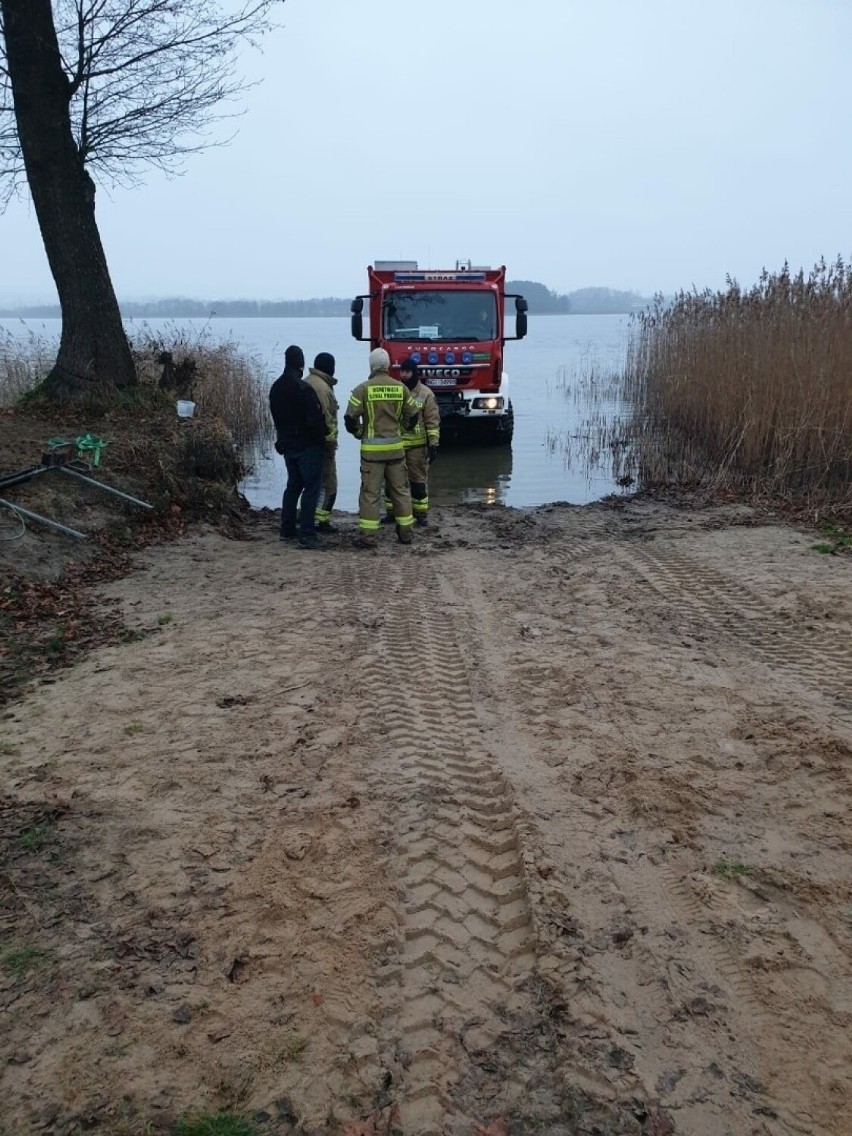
{"points": [[520, 317], [357, 307]]}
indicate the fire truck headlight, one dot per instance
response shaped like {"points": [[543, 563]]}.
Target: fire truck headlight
{"points": [[492, 403]]}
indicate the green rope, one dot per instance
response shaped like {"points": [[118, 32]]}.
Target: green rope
{"points": [[88, 444]]}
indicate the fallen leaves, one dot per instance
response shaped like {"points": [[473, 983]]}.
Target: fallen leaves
{"points": [[49, 624]]}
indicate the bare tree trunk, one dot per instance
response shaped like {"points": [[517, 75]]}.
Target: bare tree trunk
{"points": [[93, 347]]}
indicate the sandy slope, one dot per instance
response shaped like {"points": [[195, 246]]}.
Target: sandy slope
{"points": [[539, 826]]}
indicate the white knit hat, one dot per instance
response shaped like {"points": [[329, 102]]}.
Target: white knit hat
{"points": [[379, 360]]}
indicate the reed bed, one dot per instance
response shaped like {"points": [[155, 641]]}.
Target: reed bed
{"points": [[747, 389]]}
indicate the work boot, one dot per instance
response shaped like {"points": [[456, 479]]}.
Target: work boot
{"points": [[421, 520], [286, 536], [310, 541], [404, 535], [360, 542], [326, 527]]}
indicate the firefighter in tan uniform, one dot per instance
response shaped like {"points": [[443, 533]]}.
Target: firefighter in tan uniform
{"points": [[321, 378], [420, 443], [378, 412]]}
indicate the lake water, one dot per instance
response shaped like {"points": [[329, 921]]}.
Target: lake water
{"points": [[551, 384]]}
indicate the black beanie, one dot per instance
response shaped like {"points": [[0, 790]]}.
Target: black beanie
{"points": [[409, 365], [325, 363], [294, 357]]}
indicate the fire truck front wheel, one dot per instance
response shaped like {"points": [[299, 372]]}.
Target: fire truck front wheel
{"points": [[503, 428]]}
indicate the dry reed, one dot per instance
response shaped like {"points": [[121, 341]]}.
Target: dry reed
{"points": [[747, 389], [223, 380]]}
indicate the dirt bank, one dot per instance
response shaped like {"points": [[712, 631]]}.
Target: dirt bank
{"points": [[539, 826]]}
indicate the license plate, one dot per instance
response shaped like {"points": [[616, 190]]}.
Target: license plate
{"points": [[440, 382]]}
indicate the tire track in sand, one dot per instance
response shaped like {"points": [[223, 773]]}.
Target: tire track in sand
{"points": [[467, 940], [646, 885], [822, 661]]}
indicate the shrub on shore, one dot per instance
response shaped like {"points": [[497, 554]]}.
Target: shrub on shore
{"points": [[748, 389]]}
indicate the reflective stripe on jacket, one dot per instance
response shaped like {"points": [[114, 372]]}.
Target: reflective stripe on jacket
{"points": [[385, 408], [427, 428]]}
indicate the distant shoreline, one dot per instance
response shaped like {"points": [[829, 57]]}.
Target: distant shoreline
{"points": [[583, 301], [33, 313]]}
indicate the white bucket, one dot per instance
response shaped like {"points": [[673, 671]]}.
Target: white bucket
{"points": [[185, 408]]}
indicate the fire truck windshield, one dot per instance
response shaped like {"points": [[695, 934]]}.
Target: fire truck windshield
{"points": [[459, 317]]}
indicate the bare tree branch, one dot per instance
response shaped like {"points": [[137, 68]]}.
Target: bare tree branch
{"points": [[115, 87], [148, 80]]}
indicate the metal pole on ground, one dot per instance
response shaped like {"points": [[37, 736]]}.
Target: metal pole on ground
{"points": [[43, 520], [100, 485], [21, 475]]}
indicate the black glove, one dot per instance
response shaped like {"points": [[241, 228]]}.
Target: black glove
{"points": [[352, 425], [432, 453]]}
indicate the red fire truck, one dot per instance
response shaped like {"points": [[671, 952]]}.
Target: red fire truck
{"points": [[452, 323]]}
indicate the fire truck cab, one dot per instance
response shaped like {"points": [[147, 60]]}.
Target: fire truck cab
{"points": [[452, 323]]}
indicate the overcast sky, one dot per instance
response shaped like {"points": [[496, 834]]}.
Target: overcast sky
{"points": [[640, 144]]}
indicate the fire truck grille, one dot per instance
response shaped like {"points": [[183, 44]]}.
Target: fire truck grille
{"points": [[450, 402]]}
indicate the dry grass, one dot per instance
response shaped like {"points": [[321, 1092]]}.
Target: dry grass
{"points": [[228, 385], [25, 359], [750, 390]]}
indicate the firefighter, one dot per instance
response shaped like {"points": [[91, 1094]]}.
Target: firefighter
{"points": [[378, 412], [421, 443], [321, 378]]}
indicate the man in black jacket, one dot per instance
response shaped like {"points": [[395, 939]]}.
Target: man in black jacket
{"points": [[300, 428]]}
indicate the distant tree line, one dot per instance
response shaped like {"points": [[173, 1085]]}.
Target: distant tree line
{"points": [[539, 297], [326, 306], [542, 301], [600, 301], [181, 308], [584, 301]]}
